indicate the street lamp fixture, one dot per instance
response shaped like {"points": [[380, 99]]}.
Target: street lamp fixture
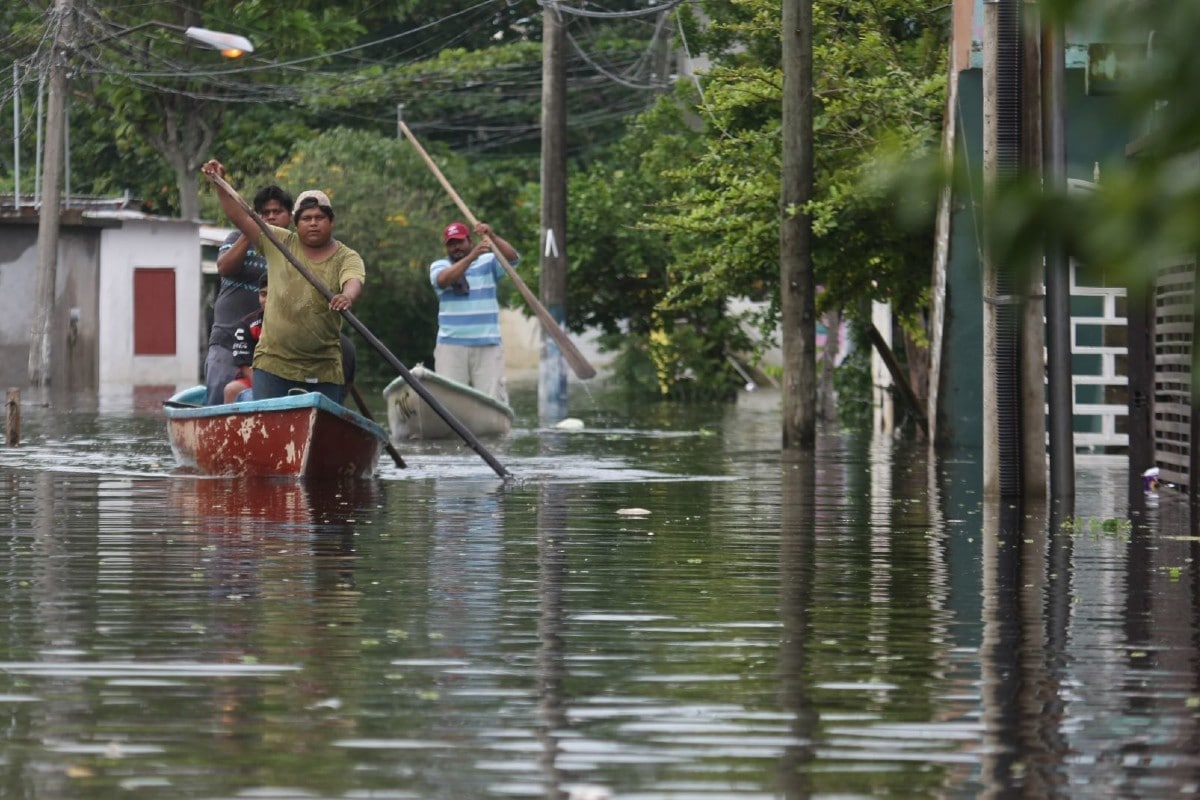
{"points": [[230, 44]]}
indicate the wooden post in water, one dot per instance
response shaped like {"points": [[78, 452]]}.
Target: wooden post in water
{"points": [[13, 418]]}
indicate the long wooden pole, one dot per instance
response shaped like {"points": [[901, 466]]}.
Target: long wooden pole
{"points": [[579, 365], [363, 409], [379, 346]]}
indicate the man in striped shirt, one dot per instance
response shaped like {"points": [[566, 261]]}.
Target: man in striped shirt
{"points": [[468, 346]]}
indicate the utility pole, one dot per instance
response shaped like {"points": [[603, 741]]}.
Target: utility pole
{"points": [[1058, 281], [1003, 294], [797, 287], [40, 361], [552, 374], [16, 137], [1030, 275]]}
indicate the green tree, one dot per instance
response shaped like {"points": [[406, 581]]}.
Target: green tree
{"points": [[167, 94], [144, 93], [620, 267], [704, 198]]}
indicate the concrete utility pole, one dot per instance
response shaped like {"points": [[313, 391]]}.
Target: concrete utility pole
{"points": [[49, 215], [1033, 327], [16, 137], [797, 288], [552, 374]]}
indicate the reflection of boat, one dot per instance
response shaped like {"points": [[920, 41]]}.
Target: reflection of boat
{"points": [[284, 540], [304, 434], [254, 506], [410, 417], [237, 505]]}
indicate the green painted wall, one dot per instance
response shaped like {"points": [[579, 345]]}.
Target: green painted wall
{"points": [[1096, 132]]}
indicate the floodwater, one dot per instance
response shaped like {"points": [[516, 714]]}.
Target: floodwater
{"points": [[654, 607]]}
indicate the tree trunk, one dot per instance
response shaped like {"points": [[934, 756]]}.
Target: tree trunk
{"points": [[797, 287], [183, 133], [189, 197]]}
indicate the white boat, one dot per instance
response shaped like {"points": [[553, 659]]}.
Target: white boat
{"points": [[410, 417]]}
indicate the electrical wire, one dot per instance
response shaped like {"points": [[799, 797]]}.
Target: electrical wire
{"points": [[658, 84], [696, 82], [146, 64], [583, 12]]}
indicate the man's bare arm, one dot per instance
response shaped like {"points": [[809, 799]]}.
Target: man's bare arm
{"points": [[233, 209], [351, 291]]}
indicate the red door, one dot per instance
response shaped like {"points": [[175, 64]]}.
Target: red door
{"points": [[154, 311]]}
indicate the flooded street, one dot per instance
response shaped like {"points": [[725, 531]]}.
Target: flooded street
{"points": [[655, 607]]}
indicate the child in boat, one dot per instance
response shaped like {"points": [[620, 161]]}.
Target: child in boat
{"points": [[245, 337]]}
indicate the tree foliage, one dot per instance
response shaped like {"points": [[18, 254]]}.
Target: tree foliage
{"points": [[674, 210], [1144, 214], [696, 202], [150, 106], [878, 89]]}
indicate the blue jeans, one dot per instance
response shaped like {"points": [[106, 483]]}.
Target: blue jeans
{"points": [[219, 370], [268, 385]]}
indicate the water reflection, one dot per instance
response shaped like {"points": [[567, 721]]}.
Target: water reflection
{"points": [[797, 565], [856, 623], [551, 655], [1080, 663]]}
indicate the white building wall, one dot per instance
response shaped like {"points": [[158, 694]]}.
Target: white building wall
{"points": [[149, 243], [882, 385]]}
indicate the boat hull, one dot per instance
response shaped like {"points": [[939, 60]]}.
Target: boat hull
{"points": [[304, 435], [410, 417]]}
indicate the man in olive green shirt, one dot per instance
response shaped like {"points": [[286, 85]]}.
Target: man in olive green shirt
{"points": [[300, 345]]}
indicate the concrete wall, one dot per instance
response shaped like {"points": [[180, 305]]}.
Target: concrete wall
{"points": [[522, 337], [75, 346], [73, 357], [18, 269], [149, 243]]}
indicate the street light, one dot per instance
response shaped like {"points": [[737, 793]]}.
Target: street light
{"points": [[230, 45]]}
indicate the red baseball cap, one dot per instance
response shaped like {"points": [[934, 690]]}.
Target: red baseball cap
{"points": [[455, 230]]}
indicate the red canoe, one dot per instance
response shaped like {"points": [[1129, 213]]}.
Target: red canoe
{"points": [[305, 435]]}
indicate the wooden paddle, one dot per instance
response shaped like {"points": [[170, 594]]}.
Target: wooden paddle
{"points": [[420, 388], [366, 412], [575, 360]]}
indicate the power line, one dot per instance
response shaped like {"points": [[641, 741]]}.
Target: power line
{"points": [[145, 63], [583, 12], [654, 41]]}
